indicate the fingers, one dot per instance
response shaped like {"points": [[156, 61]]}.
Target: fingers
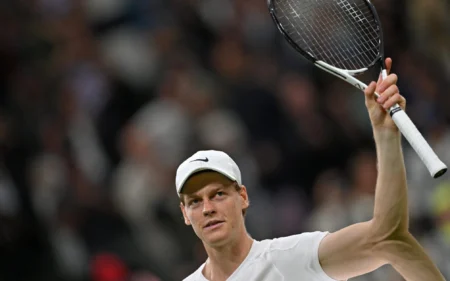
{"points": [[388, 82], [385, 95], [389, 93], [390, 97], [387, 89], [395, 99], [388, 63], [369, 93], [370, 90]]}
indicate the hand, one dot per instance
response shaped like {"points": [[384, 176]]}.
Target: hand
{"points": [[389, 96]]}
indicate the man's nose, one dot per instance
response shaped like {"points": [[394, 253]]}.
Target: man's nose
{"points": [[208, 208]]}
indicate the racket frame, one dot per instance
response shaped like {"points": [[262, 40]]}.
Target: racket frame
{"points": [[435, 166], [379, 59]]}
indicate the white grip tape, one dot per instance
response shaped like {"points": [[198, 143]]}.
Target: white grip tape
{"points": [[435, 166]]}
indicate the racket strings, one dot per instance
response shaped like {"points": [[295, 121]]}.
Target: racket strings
{"points": [[345, 5], [340, 33], [361, 32], [349, 41], [364, 23], [347, 44]]}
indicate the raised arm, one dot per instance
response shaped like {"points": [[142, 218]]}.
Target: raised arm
{"points": [[363, 247]]}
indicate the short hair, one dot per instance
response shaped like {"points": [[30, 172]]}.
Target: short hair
{"points": [[237, 187]]}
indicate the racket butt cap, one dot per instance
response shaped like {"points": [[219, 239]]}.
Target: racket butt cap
{"points": [[440, 173]]}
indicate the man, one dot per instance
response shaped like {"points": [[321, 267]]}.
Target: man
{"points": [[214, 202]]}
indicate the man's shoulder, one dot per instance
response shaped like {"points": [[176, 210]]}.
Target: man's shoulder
{"points": [[192, 277], [196, 275], [297, 256], [305, 238]]}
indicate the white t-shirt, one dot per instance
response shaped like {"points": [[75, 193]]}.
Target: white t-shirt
{"points": [[292, 258]]}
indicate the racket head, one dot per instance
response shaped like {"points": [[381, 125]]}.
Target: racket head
{"points": [[308, 49]]}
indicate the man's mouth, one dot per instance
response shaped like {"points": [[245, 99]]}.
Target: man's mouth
{"points": [[212, 223]]}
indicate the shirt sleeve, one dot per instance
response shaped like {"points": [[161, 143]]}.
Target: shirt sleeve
{"points": [[298, 255]]}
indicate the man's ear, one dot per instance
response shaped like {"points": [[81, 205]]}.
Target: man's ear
{"points": [[244, 196], [186, 220]]}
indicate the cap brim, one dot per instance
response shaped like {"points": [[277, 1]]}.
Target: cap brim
{"points": [[201, 169]]}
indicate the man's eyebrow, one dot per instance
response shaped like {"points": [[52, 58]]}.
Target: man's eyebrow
{"points": [[212, 190], [192, 195]]}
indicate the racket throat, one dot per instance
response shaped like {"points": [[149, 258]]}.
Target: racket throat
{"points": [[346, 75]]}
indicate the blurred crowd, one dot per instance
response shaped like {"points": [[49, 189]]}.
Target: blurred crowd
{"points": [[102, 99]]}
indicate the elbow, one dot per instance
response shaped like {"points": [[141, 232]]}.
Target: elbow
{"points": [[388, 243], [387, 229]]}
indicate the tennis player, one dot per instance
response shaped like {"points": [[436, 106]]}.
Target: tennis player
{"points": [[214, 202]]}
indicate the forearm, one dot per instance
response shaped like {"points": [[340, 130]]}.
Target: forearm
{"points": [[390, 223], [363, 247], [391, 198], [385, 238], [408, 258]]}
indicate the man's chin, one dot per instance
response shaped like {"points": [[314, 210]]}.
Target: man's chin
{"points": [[216, 239]]}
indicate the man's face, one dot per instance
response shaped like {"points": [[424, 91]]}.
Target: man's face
{"points": [[214, 208]]}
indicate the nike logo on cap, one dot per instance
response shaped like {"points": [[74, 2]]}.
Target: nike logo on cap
{"points": [[202, 160]]}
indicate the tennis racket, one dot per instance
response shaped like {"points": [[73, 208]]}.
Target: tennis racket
{"points": [[345, 38]]}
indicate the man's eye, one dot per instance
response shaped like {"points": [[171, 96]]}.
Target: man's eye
{"points": [[220, 193], [193, 202]]}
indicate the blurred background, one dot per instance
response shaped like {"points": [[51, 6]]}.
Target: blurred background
{"points": [[102, 99]]}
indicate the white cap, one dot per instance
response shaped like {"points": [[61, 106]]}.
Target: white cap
{"points": [[204, 160]]}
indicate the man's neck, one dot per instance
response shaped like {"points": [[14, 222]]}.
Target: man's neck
{"points": [[223, 261]]}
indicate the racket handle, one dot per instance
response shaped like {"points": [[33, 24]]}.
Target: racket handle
{"points": [[435, 166]]}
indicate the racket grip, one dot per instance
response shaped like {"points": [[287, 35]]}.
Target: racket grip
{"points": [[434, 165]]}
